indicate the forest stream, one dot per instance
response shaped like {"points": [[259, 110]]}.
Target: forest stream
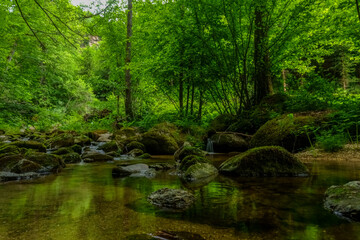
{"points": [[84, 201]]}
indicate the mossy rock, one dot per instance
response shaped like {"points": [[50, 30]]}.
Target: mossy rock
{"points": [[30, 145], [158, 142], [82, 140], [145, 156], [94, 135], [200, 171], [187, 151], [269, 161], [191, 160], [50, 162], [71, 158], [77, 148], [9, 160], [2, 132], [229, 142], [222, 122], [109, 147], [135, 152], [344, 200], [62, 140], [288, 131], [127, 134], [24, 166], [134, 145], [63, 150], [8, 148]]}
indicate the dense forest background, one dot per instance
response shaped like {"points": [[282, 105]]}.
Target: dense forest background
{"points": [[183, 61]]}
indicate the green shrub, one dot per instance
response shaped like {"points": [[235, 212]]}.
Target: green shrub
{"points": [[331, 143]]}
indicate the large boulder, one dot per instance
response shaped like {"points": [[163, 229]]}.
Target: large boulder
{"points": [[24, 166], [127, 134], [199, 172], [30, 145], [61, 140], [161, 139], [288, 131], [229, 142], [171, 198], [49, 162], [197, 168], [111, 146], [344, 200], [134, 145], [82, 140], [270, 161], [9, 160]]}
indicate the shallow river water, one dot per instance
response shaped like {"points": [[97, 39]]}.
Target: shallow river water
{"points": [[85, 202]]}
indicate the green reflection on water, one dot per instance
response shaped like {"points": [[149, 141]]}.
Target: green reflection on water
{"points": [[85, 202]]}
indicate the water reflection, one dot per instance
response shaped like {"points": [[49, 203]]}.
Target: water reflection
{"points": [[85, 202]]}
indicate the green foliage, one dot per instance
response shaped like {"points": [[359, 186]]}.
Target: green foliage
{"points": [[330, 142]]}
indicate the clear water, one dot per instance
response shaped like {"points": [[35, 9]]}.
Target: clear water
{"points": [[85, 202]]}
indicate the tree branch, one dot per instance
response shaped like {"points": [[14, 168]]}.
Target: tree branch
{"points": [[23, 17], [53, 23]]}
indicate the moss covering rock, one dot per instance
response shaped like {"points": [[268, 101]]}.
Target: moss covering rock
{"points": [[127, 134], [63, 150], [161, 139], [82, 140], [269, 161], [171, 198], [229, 142], [8, 161], [30, 145], [145, 156], [7, 148], [24, 166], [111, 146], [135, 153], [134, 145], [199, 172], [77, 148], [288, 131], [71, 158], [188, 151], [190, 160], [50, 162], [62, 140], [344, 200]]}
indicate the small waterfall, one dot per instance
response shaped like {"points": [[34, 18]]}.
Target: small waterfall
{"points": [[209, 146]]}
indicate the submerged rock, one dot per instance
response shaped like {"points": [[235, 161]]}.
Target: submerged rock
{"points": [[344, 200], [134, 170], [9, 176], [196, 169], [264, 162], [229, 142], [97, 157], [171, 198]]}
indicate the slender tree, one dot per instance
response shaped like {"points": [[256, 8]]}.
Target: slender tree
{"points": [[128, 98]]}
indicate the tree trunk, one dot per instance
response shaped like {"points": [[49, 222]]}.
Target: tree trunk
{"points": [[128, 98], [200, 106], [262, 75], [192, 99]]}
